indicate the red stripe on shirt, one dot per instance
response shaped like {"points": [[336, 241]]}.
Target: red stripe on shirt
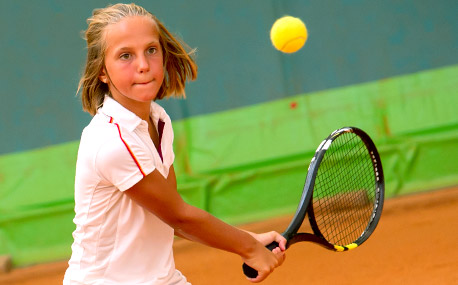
{"points": [[128, 148]]}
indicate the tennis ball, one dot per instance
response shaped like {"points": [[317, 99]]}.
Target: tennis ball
{"points": [[288, 34]]}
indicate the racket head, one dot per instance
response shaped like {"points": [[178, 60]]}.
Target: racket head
{"points": [[348, 190]]}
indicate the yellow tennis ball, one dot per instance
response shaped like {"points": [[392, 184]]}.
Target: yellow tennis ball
{"points": [[288, 34]]}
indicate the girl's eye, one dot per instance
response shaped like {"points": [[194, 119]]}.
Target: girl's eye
{"points": [[124, 56], [152, 50]]}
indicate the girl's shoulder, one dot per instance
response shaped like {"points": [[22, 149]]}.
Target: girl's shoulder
{"points": [[99, 135], [100, 128]]}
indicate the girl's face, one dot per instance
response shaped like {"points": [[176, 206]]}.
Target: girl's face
{"points": [[133, 60]]}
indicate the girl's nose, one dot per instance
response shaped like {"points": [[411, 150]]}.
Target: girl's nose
{"points": [[143, 64]]}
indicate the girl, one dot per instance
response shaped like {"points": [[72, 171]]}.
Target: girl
{"points": [[127, 208]]}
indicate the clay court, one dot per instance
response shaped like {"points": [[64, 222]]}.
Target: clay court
{"points": [[415, 243]]}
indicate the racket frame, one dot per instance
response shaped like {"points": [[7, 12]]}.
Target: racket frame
{"points": [[306, 206]]}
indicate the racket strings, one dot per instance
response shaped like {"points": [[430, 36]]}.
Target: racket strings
{"points": [[349, 220], [334, 207], [344, 193]]}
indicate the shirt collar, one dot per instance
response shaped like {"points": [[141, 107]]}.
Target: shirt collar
{"points": [[127, 118]]}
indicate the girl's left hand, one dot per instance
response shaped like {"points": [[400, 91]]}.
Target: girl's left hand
{"points": [[269, 237]]}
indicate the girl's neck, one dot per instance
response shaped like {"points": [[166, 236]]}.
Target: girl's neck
{"points": [[141, 109]]}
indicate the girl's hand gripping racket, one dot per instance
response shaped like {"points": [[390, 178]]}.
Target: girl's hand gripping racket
{"points": [[343, 194]]}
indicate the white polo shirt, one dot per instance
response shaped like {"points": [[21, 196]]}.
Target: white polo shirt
{"points": [[117, 241]]}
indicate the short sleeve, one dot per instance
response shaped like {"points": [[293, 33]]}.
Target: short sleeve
{"points": [[123, 162]]}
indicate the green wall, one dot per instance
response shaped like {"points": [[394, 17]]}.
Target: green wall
{"points": [[250, 163], [256, 157]]}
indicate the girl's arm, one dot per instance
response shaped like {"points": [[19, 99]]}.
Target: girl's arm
{"points": [[160, 196]]}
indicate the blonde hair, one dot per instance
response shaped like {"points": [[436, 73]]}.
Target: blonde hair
{"points": [[178, 64]]}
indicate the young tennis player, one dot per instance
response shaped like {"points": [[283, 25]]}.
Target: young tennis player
{"points": [[127, 208]]}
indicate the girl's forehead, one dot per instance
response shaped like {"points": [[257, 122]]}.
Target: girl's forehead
{"points": [[132, 28]]}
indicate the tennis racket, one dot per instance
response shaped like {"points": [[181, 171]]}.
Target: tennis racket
{"points": [[343, 194]]}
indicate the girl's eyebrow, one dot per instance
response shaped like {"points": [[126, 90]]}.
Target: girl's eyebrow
{"points": [[129, 48]]}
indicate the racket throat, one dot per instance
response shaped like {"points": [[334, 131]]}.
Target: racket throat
{"points": [[300, 237]]}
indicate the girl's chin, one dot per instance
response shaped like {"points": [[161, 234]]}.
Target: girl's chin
{"points": [[145, 99], [143, 95], [139, 99]]}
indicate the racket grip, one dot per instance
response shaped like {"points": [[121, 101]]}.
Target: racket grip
{"points": [[251, 272]]}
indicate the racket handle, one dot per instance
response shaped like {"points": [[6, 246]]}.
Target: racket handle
{"points": [[251, 272]]}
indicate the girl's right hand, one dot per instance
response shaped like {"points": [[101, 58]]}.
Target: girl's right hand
{"points": [[264, 260]]}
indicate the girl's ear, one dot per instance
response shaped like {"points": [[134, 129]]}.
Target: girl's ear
{"points": [[103, 76]]}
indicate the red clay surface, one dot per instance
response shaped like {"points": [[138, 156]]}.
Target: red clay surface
{"points": [[414, 243]]}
